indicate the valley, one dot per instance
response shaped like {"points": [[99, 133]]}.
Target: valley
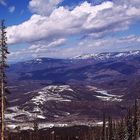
{"points": [[73, 90]]}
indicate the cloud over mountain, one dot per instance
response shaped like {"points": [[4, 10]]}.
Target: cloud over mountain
{"points": [[86, 20]]}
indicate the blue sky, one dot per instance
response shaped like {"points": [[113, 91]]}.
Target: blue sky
{"points": [[67, 28], [20, 14]]}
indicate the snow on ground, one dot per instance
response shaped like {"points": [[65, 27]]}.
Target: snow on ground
{"points": [[20, 114], [103, 56], [105, 96], [51, 93], [15, 111], [113, 99], [27, 126]]}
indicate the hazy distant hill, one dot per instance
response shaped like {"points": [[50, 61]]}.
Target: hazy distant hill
{"points": [[73, 89]]}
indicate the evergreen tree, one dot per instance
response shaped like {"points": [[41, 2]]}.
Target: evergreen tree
{"points": [[110, 130], [35, 126], [36, 130], [135, 122], [3, 83], [104, 128], [129, 125], [121, 130], [114, 129]]}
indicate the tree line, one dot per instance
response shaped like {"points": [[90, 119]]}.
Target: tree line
{"points": [[125, 128]]}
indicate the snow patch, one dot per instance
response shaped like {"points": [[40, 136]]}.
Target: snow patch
{"points": [[104, 56], [51, 93], [105, 96]]}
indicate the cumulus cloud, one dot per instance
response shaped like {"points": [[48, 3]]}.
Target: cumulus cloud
{"points": [[84, 19], [61, 22], [43, 7], [39, 47], [89, 45], [51, 27], [85, 46]]}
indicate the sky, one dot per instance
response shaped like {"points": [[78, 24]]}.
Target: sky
{"points": [[68, 28]]}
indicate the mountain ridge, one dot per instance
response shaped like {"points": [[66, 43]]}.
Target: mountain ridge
{"points": [[114, 82], [108, 55]]}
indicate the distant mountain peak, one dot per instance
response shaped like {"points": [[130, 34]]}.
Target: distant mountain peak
{"points": [[107, 55]]}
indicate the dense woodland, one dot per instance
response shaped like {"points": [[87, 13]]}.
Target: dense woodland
{"points": [[125, 128]]}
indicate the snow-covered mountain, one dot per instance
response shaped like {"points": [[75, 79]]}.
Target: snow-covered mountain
{"points": [[73, 90], [108, 55], [59, 103]]}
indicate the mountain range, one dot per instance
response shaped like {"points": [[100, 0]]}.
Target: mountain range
{"points": [[74, 90]]}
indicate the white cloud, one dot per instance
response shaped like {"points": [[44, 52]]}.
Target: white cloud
{"points": [[60, 23], [84, 19], [43, 46], [37, 49], [50, 27], [85, 46], [89, 45], [12, 9], [43, 7]]}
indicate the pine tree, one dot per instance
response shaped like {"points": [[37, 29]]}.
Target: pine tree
{"points": [[110, 131], [36, 130], [135, 122], [114, 129], [121, 130], [35, 126], [104, 127], [129, 125], [3, 65]]}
